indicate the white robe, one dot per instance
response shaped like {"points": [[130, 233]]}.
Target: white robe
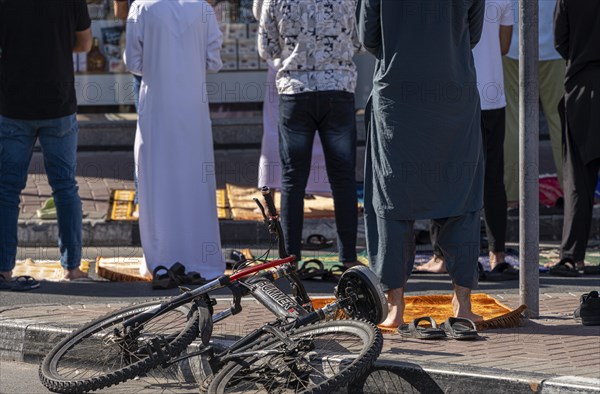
{"points": [[172, 44], [269, 167]]}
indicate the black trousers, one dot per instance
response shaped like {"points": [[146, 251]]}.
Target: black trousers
{"points": [[494, 192], [580, 180]]}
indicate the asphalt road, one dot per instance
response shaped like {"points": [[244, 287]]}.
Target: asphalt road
{"points": [[20, 378]]}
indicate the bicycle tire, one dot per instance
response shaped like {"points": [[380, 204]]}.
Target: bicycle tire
{"points": [[68, 366], [371, 304], [281, 372]]}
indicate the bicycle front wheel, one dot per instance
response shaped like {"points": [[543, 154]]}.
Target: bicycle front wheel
{"points": [[102, 354], [319, 359]]}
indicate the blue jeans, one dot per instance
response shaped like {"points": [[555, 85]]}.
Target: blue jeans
{"points": [[58, 138], [332, 114]]}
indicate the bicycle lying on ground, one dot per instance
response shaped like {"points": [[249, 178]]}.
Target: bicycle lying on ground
{"points": [[302, 350]]}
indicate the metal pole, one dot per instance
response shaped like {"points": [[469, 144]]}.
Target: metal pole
{"points": [[529, 233]]}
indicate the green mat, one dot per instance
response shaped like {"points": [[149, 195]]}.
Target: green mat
{"points": [[330, 259]]}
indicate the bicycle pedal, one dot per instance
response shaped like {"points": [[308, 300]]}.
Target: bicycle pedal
{"points": [[183, 289]]}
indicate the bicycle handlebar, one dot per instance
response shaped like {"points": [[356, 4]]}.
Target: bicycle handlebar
{"points": [[268, 196]]}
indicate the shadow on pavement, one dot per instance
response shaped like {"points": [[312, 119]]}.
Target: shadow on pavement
{"points": [[382, 379]]}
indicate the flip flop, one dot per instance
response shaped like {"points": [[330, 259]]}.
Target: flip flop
{"points": [[501, 272], [565, 267], [234, 257], [316, 242], [460, 328], [24, 283], [414, 330], [168, 280], [311, 269], [335, 272]]}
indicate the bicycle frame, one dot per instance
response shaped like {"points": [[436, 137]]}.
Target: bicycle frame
{"points": [[260, 286]]}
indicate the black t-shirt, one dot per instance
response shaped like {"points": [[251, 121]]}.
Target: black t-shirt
{"points": [[36, 62]]}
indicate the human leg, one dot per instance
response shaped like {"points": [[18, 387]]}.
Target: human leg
{"points": [[436, 263], [17, 138], [337, 129], [511, 139], [494, 195], [296, 133], [459, 242], [551, 80], [58, 138], [580, 180], [391, 251]]}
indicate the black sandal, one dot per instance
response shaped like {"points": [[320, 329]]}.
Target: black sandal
{"points": [[316, 242], [166, 280], [311, 269], [565, 267], [414, 330]]}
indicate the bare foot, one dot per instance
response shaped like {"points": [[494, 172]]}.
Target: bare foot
{"points": [[7, 275], [73, 274], [578, 264], [395, 317], [461, 304], [496, 258], [435, 264]]}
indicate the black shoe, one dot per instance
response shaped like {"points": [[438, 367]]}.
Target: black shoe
{"points": [[589, 310]]}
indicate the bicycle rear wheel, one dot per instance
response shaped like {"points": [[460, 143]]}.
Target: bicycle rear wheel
{"points": [[321, 358], [100, 354]]}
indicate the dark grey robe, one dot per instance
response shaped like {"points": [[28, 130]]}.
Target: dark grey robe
{"points": [[424, 155]]}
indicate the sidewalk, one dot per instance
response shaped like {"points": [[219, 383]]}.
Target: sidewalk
{"points": [[552, 354]]}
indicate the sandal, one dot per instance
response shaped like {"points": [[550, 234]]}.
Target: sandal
{"points": [[19, 283], [335, 272], [311, 269], [502, 271], [316, 242], [193, 278], [234, 257], [460, 328], [168, 280], [414, 330], [565, 267]]}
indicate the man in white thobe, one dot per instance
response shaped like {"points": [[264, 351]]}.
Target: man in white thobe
{"points": [[172, 44]]}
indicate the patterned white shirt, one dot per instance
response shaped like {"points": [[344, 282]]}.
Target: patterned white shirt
{"points": [[315, 41]]}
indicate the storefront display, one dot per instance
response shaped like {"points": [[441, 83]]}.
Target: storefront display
{"points": [[101, 77]]}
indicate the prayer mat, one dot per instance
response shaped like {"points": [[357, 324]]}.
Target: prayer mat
{"points": [[439, 307], [243, 206], [49, 270], [121, 206], [120, 269]]}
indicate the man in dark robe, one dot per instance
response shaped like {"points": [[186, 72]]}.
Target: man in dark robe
{"points": [[577, 39], [424, 156]]}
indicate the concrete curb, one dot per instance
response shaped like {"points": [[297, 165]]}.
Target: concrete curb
{"points": [[29, 341], [37, 233], [104, 131], [431, 377], [98, 232]]}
